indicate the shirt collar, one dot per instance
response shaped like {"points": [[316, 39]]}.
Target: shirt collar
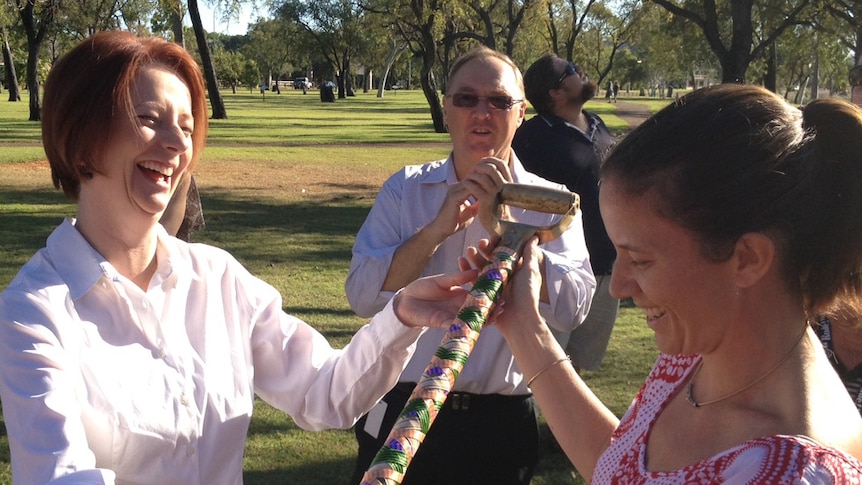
{"points": [[590, 134], [81, 266]]}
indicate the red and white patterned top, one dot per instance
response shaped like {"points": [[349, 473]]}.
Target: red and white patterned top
{"points": [[767, 460]]}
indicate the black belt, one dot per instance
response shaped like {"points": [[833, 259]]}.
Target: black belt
{"points": [[468, 401]]}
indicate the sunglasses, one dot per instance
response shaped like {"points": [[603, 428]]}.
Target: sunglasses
{"points": [[501, 102], [571, 69]]}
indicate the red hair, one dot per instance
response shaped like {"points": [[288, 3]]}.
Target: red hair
{"points": [[86, 87]]}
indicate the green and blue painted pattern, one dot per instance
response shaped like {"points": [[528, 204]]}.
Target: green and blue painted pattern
{"points": [[391, 462]]}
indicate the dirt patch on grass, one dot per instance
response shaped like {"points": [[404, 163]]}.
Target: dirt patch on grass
{"points": [[269, 179], [290, 180]]}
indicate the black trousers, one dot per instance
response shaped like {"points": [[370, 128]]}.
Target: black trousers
{"points": [[477, 439]]}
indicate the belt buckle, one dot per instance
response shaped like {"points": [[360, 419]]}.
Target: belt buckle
{"points": [[460, 402]]}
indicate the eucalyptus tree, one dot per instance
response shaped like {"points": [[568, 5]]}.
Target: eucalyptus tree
{"points": [[82, 18], [806, 63], [7, 20], [665, 51], [230, 68], [849, 12], [605, 31], [564, 23], [420, 25], [394, 49], [338, 28], [269, 45], [739, 31], [490, 22], [168, 17], [10, 76], [381, 55], [216, 101], [37, 17]]}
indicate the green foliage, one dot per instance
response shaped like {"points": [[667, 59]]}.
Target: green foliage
{"points": [[286, 182]]}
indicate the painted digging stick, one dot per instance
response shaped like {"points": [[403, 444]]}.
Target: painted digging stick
{"points": [[391, 462]]}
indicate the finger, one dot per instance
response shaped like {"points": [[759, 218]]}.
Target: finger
{"points": [[486, 246], [458, 279], [501, 166], [473, 258], [531, 254]]}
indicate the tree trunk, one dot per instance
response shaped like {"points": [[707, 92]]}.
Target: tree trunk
{"points": [[770, 79], [176, 19], [348, 77], [429, 88], [219, 112], [11, 76], [35, 35], [395, 50]]}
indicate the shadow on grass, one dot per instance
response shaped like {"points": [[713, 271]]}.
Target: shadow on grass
{"points": [[252, 229], [255, 229], [334, 472]]}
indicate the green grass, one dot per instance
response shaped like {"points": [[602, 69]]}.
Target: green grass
{"points": [[286, 182]]}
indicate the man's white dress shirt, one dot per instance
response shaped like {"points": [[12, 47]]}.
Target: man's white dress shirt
{"points": [[408, 201]]}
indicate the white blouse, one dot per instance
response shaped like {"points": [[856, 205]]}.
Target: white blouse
{"points": [[102, 382]]}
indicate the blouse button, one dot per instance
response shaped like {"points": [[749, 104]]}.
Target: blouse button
{"points": [[184, 400]]}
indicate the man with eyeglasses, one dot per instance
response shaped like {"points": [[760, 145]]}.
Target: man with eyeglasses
{"points": [[422, 220], [566, 144]]}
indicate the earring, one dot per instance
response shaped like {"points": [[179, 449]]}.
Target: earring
{"points": [[86, 173]]}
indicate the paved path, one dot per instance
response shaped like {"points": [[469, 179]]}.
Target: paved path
{"points": [[632, 113]]}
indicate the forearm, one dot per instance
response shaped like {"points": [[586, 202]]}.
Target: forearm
{"points": [[410, 259], [581, 423]]}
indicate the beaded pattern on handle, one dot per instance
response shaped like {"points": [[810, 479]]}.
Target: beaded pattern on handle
{"points": [[391, 462]]}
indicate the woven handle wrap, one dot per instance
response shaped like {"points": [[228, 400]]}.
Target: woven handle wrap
{"points": [[391, 462]]}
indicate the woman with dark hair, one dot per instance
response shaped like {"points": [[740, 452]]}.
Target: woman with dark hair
{"points": [[130, 356], [736, 221]]}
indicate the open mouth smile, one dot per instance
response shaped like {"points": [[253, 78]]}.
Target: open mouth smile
{"points": [[157, 171]]}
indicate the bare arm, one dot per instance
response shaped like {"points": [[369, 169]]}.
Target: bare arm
{"points": [[456, 213], [581, 423]]}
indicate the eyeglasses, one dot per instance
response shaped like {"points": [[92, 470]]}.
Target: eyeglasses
{"points": [[501, 102], [571, 69]]}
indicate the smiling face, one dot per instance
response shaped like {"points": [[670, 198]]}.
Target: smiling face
{"points": [[148, 149], [482, 131], [685, 296]]}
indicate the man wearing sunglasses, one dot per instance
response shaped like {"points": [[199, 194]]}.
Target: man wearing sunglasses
{"points": [[566, 144], [422, 221]]}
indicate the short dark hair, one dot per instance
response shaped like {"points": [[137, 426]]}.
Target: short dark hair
{"points": [[732, 159], [86, 89], [540, 78]]}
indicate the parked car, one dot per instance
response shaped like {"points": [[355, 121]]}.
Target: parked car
{"points": [[301, 82]]}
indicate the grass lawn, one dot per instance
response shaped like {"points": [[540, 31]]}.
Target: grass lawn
{"points": [[286, 182]]}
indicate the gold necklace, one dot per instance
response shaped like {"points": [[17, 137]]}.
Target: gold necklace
{"points": [[690, 397]]}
